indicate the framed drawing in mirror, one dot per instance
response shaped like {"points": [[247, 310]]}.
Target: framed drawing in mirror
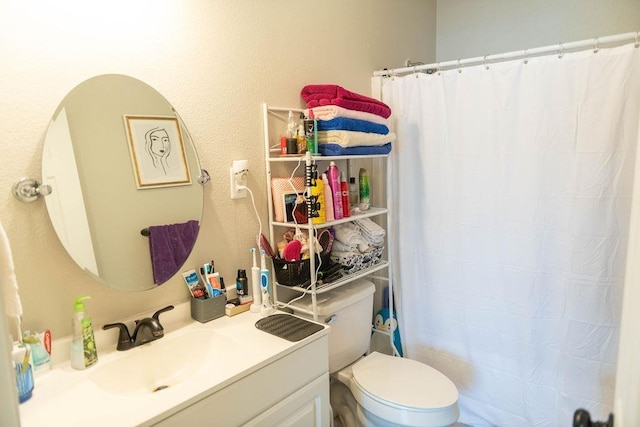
{"points": [[157, 151]]}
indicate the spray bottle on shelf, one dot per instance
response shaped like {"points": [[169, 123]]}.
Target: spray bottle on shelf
{"points": [[365, 191], [255, 285], [265, 284], [344, 189], [83, 344], [334, 181], [311, 133], [328, 198]]}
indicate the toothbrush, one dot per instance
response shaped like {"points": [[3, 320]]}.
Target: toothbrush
{"points": [[255, 284], [266, 308]]}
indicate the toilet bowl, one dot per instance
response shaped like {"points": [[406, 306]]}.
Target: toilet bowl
{"points": [[376, 389], [394, 391]]}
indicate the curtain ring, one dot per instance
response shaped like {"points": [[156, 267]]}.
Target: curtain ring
{"points": [[560, 51], [459, 69], [526, 56], [484, 61], [415, 73], [438, 69], [595, 45], [637, 39]]}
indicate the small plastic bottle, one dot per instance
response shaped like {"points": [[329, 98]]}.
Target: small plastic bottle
{"points": [[83, 344], [365, 191], [353, 191]]}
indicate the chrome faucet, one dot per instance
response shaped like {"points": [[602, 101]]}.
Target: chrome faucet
{"points": [[146, 330]]}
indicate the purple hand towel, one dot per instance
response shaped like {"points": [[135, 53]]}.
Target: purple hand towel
{"points": [[170, 245]]}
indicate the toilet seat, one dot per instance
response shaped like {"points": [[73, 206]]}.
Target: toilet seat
{"points": [[404, 391]]}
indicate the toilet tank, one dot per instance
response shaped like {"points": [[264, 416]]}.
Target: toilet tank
{"points": [[348, 310]]}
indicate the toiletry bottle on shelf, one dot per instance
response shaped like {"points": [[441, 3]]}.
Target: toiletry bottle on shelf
{"points": [[328, 198], [83, 344], [344, 190], [317, 198], [365, 191], [334, 181], [311, 133], [353, 191], [302, 141]]}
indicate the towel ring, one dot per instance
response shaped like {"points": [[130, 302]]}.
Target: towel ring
{"points": [[204, 177], [595, 45], [484, 61], [459, 69], [526, 56], [560, 51]]}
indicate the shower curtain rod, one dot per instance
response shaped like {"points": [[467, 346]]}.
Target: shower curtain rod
{"points": [[560, 49]]}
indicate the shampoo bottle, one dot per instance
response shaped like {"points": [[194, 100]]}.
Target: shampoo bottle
{"points": [[365, 191], [328, 198], [83, 344], [334, 181]]}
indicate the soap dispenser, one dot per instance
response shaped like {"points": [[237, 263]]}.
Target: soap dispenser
{"points": [[83, 344]]}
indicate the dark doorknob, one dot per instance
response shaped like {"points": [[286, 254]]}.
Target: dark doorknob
{"points": [[582, 418]]}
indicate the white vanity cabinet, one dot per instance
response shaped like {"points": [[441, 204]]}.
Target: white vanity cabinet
{"points": [[290, 391]]}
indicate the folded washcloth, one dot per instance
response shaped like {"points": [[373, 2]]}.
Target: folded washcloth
{"points": [[349, 234], [339, 246], [348, 138], [328, 112], [316, 95], [361, 150], [371, 232], [342, 123]]}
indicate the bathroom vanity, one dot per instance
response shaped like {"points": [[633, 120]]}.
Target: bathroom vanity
{"points": [[225, 372]]}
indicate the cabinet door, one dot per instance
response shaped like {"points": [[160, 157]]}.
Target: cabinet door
{"points": [[307, 407]]}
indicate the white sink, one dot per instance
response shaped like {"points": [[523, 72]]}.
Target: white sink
{"points": [[162, 363]]}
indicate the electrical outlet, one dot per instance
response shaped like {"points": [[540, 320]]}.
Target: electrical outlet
{"points": [[238, 174]]}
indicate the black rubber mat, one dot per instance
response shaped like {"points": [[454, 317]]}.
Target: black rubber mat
{"points": [[289, 327]]}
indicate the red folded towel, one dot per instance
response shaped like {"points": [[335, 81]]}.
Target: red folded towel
{"points": [[317, 95]]}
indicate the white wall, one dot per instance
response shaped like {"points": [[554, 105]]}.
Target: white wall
{"points": [[216, 61], [471, 28]]}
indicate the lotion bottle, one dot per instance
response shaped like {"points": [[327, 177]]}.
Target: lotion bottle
{"points": [[328, 198], [83, 344], [365, 191]]}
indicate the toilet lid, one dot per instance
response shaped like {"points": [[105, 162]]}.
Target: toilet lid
{"points": [[404, 382]]}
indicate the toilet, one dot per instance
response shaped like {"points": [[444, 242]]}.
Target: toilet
{"points": [[376, 389]]}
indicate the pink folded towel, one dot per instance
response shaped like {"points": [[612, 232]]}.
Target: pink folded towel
{"points": [[317, 95]]}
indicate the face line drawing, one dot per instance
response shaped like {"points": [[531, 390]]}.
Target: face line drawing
{"points": [[158, 147]]}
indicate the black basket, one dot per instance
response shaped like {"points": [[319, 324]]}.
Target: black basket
{"points": [[297, 273]]}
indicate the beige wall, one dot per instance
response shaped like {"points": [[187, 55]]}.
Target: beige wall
{"points": [[471, 28], [216, 61]]}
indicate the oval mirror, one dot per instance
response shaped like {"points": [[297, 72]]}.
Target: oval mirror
{"points": [[126, 202]]}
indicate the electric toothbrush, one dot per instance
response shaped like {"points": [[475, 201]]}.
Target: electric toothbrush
{"points": [[266, 307], [255, 284]]}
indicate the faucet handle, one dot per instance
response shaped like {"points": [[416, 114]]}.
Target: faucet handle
{"points": [[124, 339], [156, 315]]}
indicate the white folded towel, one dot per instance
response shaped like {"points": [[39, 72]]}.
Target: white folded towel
{"points": [[350, 234], [8, 282], [371, 232], [328, 112]]}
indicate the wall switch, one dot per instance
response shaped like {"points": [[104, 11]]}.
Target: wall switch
{"points": [[238, 173]]}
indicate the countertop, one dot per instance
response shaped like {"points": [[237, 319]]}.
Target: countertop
{"points": [[69, 397]]}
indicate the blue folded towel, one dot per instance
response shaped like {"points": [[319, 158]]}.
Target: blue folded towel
{"points": [[338, 150], [343, 123]]}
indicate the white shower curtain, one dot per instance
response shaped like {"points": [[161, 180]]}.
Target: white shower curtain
{"points": [[512, 193]]}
